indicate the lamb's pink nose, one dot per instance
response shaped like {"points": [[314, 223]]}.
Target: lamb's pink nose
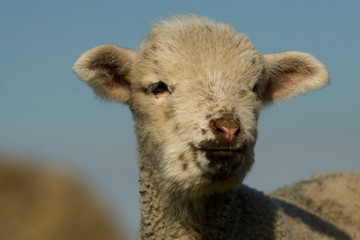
{"points": [[226, 127], [229, 132]]}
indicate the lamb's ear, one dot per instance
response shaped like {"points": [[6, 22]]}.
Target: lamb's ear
{"points": [[290, 74], [106, 69]]}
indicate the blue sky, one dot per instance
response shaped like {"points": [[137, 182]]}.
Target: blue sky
{"points": [[45, 110]]}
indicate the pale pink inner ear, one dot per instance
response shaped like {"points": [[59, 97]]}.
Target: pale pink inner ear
{"points": [[290, 74], [106, 69]]}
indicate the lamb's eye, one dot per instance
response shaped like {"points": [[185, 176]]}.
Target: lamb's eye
{"points": [[159, 88], [255, 89]]}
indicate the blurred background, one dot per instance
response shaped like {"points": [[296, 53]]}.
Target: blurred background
{"points": [[45, 111]]}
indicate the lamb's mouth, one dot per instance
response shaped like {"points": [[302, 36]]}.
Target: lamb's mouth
{"points": [[220, 158], [224, 153], [222, 162]]}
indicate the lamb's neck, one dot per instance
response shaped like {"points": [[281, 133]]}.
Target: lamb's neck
{"points": [[167, 217]]}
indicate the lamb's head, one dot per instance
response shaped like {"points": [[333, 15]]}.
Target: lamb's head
{"points": [[196, 89]]}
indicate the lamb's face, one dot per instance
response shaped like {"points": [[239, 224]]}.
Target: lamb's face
{"points": [[195, 103], [196, 89]]}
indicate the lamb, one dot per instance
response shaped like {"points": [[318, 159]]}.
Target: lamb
{"points": [[196, 89]]}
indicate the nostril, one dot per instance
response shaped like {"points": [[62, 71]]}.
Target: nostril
{"points": [[226, 127], [229, 133], [220, 130]]}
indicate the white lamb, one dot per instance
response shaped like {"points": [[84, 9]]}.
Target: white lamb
{"points": [[196, 89]]}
